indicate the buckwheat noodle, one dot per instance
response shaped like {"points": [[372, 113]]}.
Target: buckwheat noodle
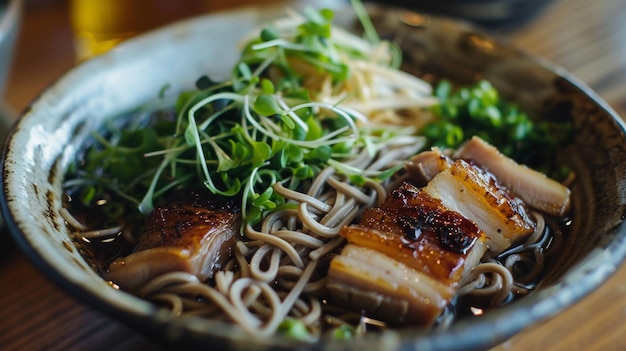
{"points": [[274, 268]]}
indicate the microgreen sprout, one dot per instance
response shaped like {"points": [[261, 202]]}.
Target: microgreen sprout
{"points": [[264, 125]]}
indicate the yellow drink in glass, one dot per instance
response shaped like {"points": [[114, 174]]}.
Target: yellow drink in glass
{"points": [[99, 25]]}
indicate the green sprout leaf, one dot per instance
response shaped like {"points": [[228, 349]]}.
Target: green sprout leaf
{"points": [[262, 152], [266, 105]]}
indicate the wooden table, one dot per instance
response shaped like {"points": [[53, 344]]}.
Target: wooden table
{"points": [[588, 38]]}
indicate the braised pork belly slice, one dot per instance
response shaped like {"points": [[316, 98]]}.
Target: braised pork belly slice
{"points": [[426, 165], [476, 194], [534, 188], [425, 254], [366, 280], [419, 231], [194, 236], [439, 232], [414, 233]]}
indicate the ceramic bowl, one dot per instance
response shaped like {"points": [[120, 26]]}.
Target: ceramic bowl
{"points": [[46, 138]]}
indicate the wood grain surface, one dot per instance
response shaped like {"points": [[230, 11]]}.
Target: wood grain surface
{"points": [[587, 38]]}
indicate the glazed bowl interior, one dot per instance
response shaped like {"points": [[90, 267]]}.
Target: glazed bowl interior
{"points": [[46, 138]]}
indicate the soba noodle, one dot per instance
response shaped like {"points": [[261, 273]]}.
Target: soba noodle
{"points": [[287, 250]]}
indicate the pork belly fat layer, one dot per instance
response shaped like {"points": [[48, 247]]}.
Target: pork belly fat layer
{"points": [[425, 255], [181, 237], [475, 194], [411, 238], [366, 280], [417, 230], [131, 272], [534, 188], [426, 165], [417, 212]]}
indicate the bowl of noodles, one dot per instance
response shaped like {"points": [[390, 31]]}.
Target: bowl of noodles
{"points": [[357, 178]]}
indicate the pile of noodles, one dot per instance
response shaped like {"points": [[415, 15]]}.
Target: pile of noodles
{"points": [[278, 268]]}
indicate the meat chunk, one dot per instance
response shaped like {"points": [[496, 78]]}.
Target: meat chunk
{"points": [[409, 239], [195, 236], [416, 247], [426, 165], [417, 230], [477, 195], [367, 280], [534, 188]]}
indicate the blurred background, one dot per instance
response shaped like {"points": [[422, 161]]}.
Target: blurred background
{"points": [[68, 31], [56, 34]]}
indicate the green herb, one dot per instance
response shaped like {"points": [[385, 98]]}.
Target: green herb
{"points": [[241, 136], [295, 329], [480, 110], [344, 332]]}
